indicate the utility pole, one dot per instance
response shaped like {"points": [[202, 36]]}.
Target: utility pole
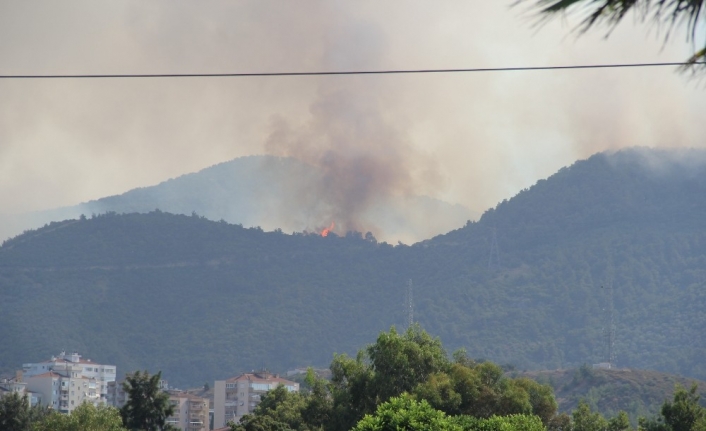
{"points": [[409, 305], [494, 257], [609, 329]]}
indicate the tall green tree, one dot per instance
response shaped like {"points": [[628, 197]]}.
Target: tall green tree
{"points": [[17, 415], [14, 412], [319, 406], [278, 410], [85, 417], [394, 364], [501, 423], [684, 411], [665, 13], [147, 407], [560, 422], [401, 361], [621, 422], [406, 414], [585, 420], [482, 390]]}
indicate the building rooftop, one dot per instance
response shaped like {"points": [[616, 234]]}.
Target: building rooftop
{"points": [[260, 377], [48, 374]]}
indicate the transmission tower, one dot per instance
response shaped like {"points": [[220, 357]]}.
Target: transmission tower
{"points": [[494, 257], [609, 329], [409, 305]]}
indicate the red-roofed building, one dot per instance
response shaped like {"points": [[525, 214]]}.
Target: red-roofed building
{"points": [[235, 397]]}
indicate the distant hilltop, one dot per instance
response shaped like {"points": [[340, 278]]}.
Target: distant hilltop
{"points": [[268, 192]]}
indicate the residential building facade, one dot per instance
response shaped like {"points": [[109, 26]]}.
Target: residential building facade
{"points": [[63, 391], [72, 368], [190, 412], [235, 397]]}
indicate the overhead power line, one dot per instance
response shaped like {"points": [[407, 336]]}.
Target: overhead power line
{"points": [[350, 72]]}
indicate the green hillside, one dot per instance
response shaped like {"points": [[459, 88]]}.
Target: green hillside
{"points": [[204, 300], [640, 393]]}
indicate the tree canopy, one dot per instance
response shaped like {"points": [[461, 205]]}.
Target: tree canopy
{"points": [[147, 407], [403, 413], [402, 378], [667, 13], [85, 417], [683, 413], [17, 415]]}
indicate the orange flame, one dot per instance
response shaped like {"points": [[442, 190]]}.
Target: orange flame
{"points": [[328, 229]]}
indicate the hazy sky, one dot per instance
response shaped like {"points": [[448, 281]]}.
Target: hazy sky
{"points": [[473, 139]]}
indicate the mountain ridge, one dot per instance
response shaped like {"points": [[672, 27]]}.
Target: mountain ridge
{"points": [[266, 191], [161, 287]]}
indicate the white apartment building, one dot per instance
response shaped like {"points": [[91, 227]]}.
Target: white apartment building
{"points": [[64, 391], [235, 397], [72, 367]]}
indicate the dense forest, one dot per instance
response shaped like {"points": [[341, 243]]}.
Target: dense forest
{"points": [[535, 283]]}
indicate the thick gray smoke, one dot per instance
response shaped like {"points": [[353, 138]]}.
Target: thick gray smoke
{"points": [[362, 159], [472, 139]]}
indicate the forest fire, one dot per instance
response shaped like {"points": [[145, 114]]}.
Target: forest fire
{"points": [[328, 229]]}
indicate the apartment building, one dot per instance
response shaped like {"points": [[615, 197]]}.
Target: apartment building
{"points": [[235, 397], [117, 397], [115, 394], [190, 412], [64, 391], [72, 367], [16, 385]]}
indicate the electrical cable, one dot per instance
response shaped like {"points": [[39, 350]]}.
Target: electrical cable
{"points": [[358, 72]]}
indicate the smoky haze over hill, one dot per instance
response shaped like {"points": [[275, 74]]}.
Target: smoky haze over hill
{"points": [[202, 300], [356, 192]]}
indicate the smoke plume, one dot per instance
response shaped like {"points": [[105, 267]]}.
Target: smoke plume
{"points": [[360, 158]]}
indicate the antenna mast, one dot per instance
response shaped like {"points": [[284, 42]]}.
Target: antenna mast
{"points": [[494, 258], [609, 331], [409, 305]]}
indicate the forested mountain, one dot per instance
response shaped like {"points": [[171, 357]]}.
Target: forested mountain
{"points": [[259, 191], [530, 283]]}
